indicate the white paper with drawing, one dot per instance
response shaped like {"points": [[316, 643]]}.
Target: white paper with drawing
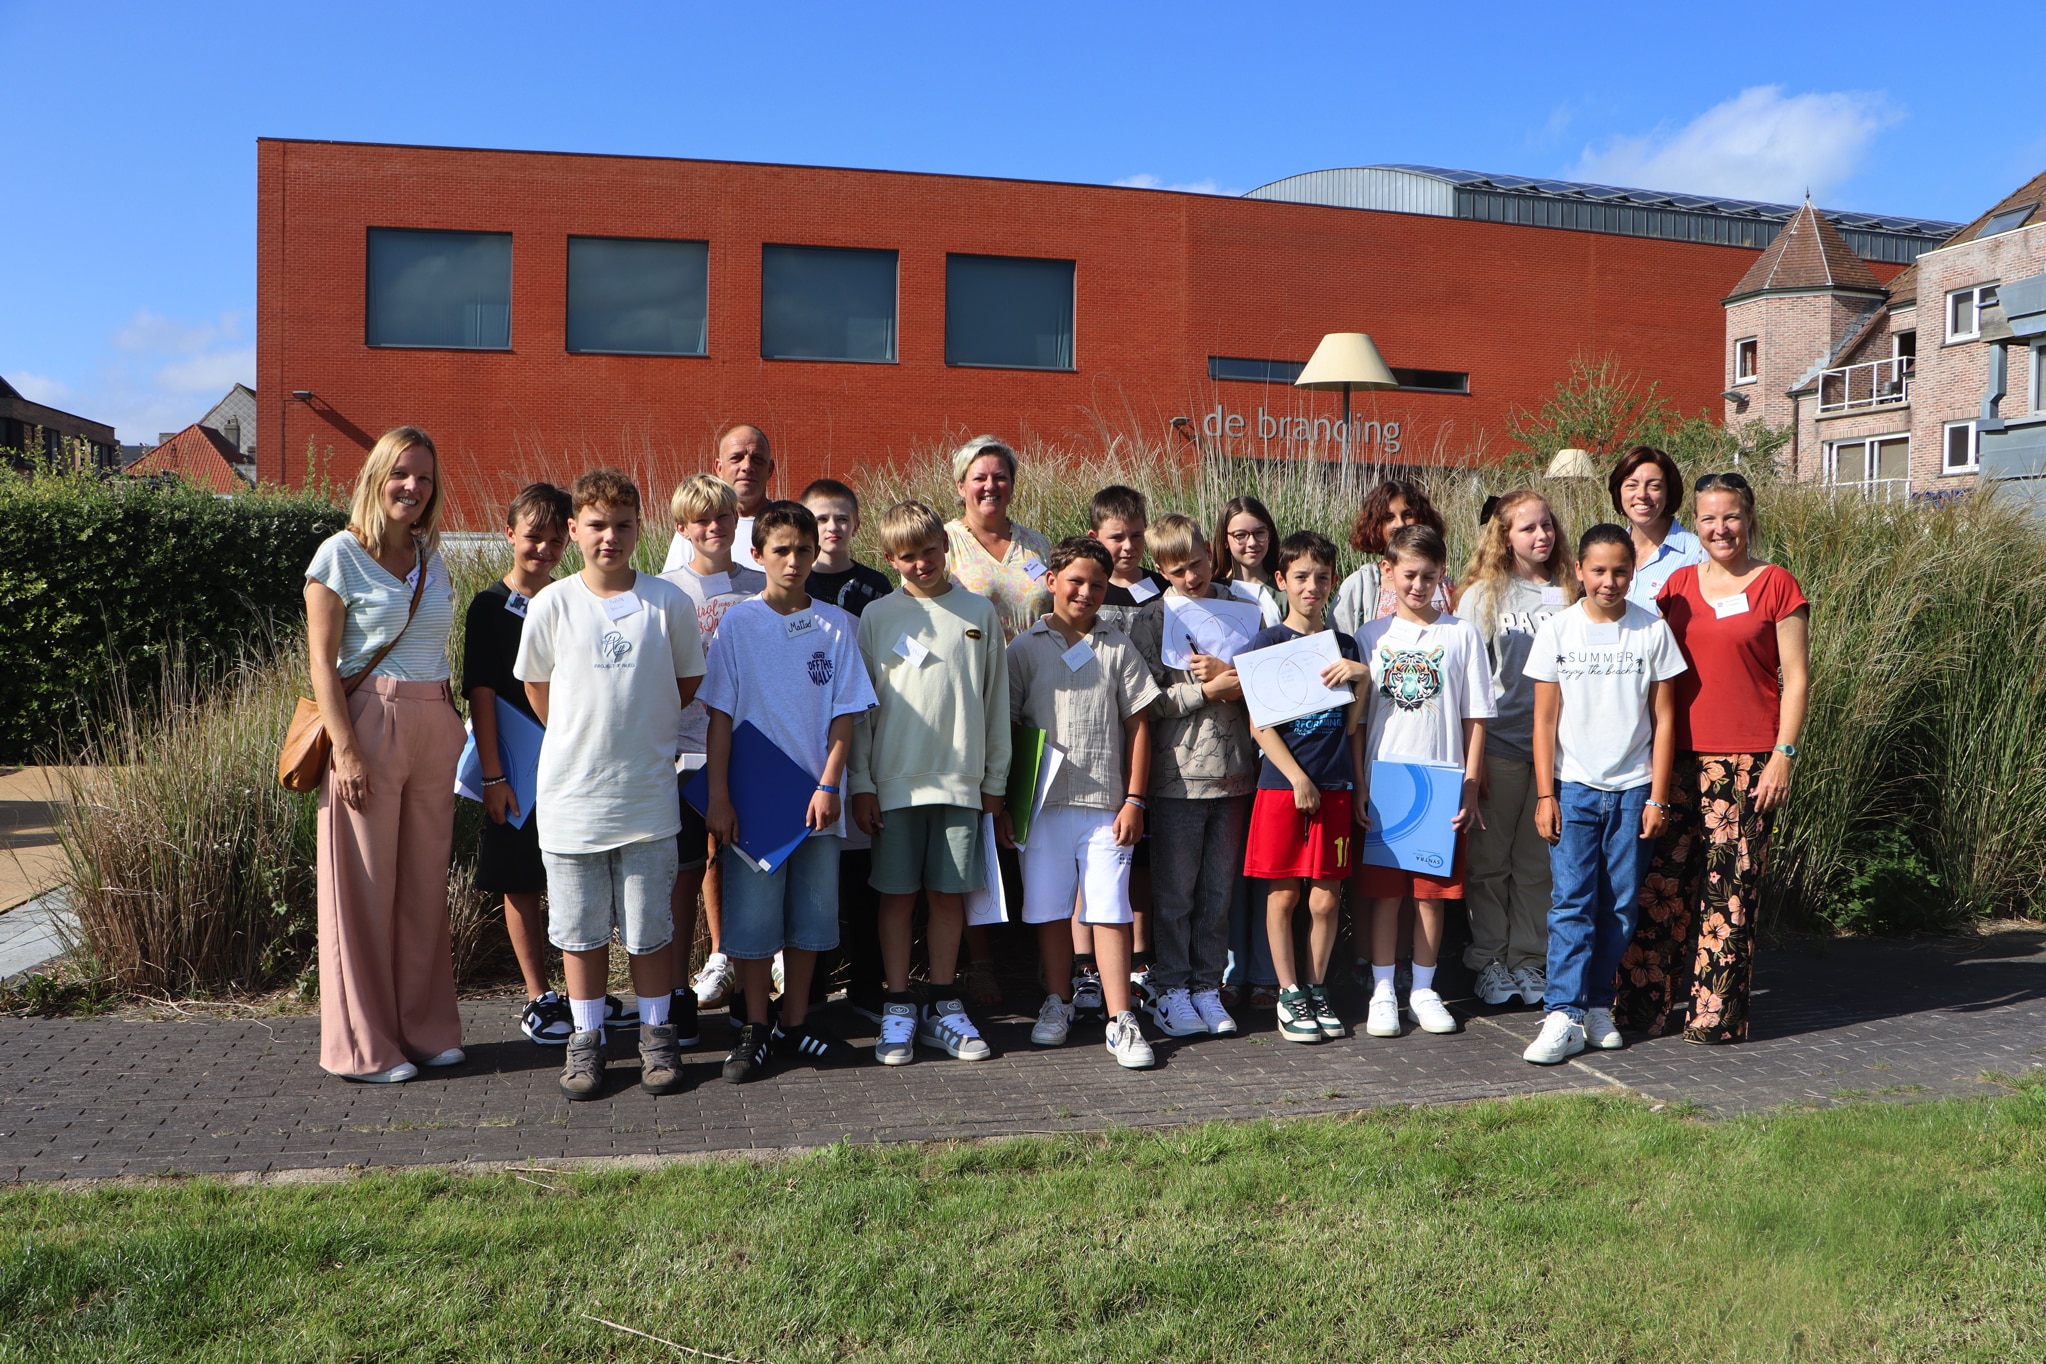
{"points": [[1206, 625], [1283, 682]]}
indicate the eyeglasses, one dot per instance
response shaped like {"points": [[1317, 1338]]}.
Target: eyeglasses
{"points": [[1244, 537]]}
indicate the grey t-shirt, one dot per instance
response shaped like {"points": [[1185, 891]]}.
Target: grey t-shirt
{"points": [[1509, 633]]}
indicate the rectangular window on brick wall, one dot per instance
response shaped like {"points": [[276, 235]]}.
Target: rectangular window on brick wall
{"points": [[439, 290], [1745, 358], [827, 303], [1885, 459], [1964, 311], [1008, 312], [633, 297], [1957, 454]]}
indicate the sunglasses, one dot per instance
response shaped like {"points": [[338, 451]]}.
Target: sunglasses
{"points": [[1726, 480]]}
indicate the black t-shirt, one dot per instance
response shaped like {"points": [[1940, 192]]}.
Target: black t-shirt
{"points": [[849, 589], [490, 645], [1119, 608], [1316, 741]]}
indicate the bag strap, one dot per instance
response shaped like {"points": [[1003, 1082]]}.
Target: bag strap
{"points": [[349, 684]]}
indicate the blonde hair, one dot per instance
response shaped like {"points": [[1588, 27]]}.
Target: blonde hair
{"points": [[1174, 538], [703, 495], [1491, 560], [366, 517], [909, 526], [963, 457]]}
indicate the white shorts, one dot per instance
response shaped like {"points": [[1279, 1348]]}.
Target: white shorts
{"points": [[1072, 849]]}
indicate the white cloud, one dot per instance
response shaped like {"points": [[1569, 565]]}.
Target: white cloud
{"points": [[148, 333], [154, 373], [40, 388], [1149, 181], [1761, 144], [212, 373]]}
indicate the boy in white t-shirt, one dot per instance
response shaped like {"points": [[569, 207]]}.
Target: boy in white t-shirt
{"points": [[706, 512], [609, 657], [1431, 693], [1603, 699], [791, 666]]}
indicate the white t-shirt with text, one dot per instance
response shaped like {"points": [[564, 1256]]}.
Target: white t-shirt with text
{"points": [[1605, 735], [714, 594], [681, 551], [1426, 680]]}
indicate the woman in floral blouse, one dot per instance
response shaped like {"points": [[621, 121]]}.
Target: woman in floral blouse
{"points": [[990, 554]]}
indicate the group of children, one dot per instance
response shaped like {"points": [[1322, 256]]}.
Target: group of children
{"points": [[1547, 691]]}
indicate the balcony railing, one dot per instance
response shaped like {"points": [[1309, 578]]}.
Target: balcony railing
{"points": [[1853, 388]]}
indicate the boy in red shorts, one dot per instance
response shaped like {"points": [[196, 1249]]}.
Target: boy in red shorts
{"points": [[1303, 820]]}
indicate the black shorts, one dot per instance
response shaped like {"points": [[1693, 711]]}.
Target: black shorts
{"points": [[508, 859], [692, 845]]}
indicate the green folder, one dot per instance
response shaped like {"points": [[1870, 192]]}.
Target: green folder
{"points": [[1026, 761]]}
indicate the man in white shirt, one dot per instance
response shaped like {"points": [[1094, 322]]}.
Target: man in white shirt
{"points": [[744, 461]]}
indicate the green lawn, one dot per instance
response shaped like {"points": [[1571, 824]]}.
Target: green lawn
{"points": [[1569, 1229]]}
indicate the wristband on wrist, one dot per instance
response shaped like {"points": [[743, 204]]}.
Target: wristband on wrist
{"points": [[1552, 796], [827, 790], [495, 781], [1658, 805], [1137, 801]]}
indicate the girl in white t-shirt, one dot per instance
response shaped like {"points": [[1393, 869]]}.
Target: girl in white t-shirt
{"points": [[1430, 695]]}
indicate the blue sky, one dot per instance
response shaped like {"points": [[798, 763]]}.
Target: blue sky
{"points": [[127, 140]]}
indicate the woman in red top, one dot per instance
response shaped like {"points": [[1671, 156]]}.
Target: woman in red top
{"points": [[1744, 627]]}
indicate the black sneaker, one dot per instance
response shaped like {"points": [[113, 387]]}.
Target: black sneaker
{"points": [[616, 1015], [547, 1020], [682, 1013], [815, 1045], [749, 1058]]}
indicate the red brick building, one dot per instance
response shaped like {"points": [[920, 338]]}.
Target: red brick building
{"points": [[542, 311]]}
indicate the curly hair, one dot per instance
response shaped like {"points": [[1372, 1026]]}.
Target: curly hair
{"points": [[1491, 561], [1367, 532]]}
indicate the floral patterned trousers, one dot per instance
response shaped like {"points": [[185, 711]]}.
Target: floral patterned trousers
{"points": [[1696, 931]]}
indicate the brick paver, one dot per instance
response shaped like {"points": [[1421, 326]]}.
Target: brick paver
{"points": [[1834, 1022]]}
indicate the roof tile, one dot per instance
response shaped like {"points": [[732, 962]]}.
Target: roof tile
{"points": [[199, 455], [1809, 253]]}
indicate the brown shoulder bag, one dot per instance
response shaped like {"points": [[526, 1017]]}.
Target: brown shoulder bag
{"points": [[307, 745]]}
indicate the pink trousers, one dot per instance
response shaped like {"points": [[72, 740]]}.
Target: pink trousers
{"points": [[387, 981]]}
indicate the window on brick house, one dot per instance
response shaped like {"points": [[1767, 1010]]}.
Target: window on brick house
{"points": [[827, 303], [1964, 311], [1745, 360], [2039, 378], [443, 290], [1904, 346], [1958, 449], [1008, 312], [1885, 459], [631, 297]]}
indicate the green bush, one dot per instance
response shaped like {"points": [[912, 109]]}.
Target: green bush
{"points": [[105, 577]]}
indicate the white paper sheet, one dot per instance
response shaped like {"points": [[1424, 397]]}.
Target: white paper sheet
{"points": [[987, 905], [1209, 625], [1283, 682]]}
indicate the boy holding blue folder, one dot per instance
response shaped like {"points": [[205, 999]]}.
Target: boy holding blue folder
{"points": [[790, 666]]}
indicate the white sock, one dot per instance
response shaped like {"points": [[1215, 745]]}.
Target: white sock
{"points": [[1424, 977], [653, 1010], [1381, 979], [588, 1014]]}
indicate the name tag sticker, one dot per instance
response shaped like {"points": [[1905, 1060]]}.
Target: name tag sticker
{"points": [[1142, 590], [802, 623], [1602, 634], [1247, 591], [1078, 657], [622, 605], [1736, 605], [516, 604], [1552, 596], [910, 649], [1034, 566], [716, 584]]}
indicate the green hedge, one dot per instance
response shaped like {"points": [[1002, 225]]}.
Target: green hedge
{"points": [[102, 579]]}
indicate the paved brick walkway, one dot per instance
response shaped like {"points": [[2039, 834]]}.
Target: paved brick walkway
{"points": [[1835, 1022]]}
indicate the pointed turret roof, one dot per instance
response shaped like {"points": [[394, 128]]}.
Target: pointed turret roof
{"points": [[1809, 253]]}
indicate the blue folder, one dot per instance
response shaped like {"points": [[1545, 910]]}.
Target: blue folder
{"points": [[1411, 807], [518, 756], [770, 793]]}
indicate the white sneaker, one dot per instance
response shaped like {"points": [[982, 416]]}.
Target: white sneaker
{"points": [[1495, 984], [1054, 1023], [1383, 1018], [1530, 983], [453, 1056], [1296, 1016], [1127, 1045], [774, 973], [1175, 1015], [896, 1046], [1208, 1004], [1428, 1010], [1600, 1031], [1561, 1038], [713, 984], [396, 1075], [1087, 993], [947, 1027]]}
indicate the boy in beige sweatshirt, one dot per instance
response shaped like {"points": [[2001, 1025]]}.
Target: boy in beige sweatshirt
{"points": [[928, 762]]}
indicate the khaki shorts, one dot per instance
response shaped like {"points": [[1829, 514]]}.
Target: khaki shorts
{"points": [[928, 847]]}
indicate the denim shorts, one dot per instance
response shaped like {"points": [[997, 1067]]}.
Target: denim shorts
{"points": [[795, 905], [589, 894]]}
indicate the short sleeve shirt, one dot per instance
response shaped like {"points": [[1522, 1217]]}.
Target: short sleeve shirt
{"points": [[490, 645], [376, 606], [1320, 742], [681, 551], [789, 676], [1679, 549], [1732, 698], [1604, 670], [1120, 605], [713, 594], [1426, 680], [1081, 709], [849, 589], [1015, 583], [1507, 621]]}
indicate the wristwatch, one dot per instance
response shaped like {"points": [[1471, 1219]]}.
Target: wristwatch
{"points": [[1788, 750]]}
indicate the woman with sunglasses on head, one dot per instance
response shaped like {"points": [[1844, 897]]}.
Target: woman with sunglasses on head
{"points": [[1744, 627]]}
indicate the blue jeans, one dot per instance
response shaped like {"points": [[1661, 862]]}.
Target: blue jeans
{"points": [[1596, 869], [795, 905]]}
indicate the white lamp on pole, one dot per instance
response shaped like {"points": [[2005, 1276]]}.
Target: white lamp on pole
{"points": [[1345, 361]]}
